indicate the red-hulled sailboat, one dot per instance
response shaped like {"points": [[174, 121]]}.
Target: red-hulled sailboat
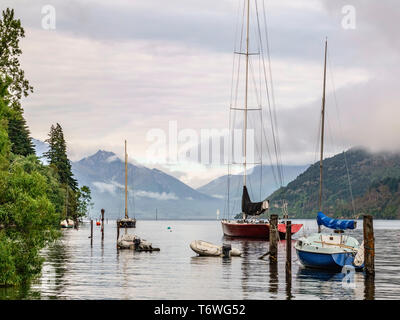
{"points": [[253, 228]]}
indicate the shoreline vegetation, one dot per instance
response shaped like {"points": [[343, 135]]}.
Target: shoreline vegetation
{"points": [[33, 196]]}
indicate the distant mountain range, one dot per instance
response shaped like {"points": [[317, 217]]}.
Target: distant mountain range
{"points": [[218, 187], [149, 189], [374, 184]]}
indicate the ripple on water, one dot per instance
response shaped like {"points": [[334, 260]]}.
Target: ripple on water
{"points": [[75, 270]]}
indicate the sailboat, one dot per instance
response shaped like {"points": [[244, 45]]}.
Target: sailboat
{"points": [[126, 222], [334, 250], [251, 228]]}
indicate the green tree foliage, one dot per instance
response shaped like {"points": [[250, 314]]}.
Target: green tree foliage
{"points": [[11, 74], [19, 134], [84, 201], [5, 144], [11, 31], [57, 156], [28, 218], [29, 195], [77, 201]]}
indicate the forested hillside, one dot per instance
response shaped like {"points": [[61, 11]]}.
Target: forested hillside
{"points": [[374, 180]]}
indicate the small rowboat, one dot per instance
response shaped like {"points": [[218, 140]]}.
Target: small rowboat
{"points": [[203, 248]]}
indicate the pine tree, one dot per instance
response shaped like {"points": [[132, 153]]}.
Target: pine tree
{"points": [[19, 134], [11, 73], [57, 156]]}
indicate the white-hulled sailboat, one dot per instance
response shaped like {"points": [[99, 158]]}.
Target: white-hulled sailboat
{"points": [[126, 222], [335, 250]]}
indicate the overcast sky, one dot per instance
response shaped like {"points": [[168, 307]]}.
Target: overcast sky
{"points": [[113, 70]]}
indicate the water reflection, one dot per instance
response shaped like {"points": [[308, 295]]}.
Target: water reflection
{"points": [[289, 295], [254, 272], [76, 270], [273, 277], [369, 288], [58, 257], [317, 275]]}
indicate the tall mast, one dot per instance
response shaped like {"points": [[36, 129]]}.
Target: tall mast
{"points": [[322, 136], [126, 183], [246, 91]]}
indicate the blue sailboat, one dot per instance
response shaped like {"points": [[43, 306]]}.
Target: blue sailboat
{"points": [[334, 250], [331, 251]]}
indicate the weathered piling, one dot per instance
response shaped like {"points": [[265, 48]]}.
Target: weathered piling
{"points": [[273, 277], [288, 264], [91, 232], [369, 245], [369, 288], [288, 248], [102, 224], [273, 237], [117, 232]]}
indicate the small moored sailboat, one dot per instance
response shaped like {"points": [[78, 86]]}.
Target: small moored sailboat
{"points": [[126, 222], [329, 250]]}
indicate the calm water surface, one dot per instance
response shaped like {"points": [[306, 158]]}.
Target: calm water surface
{"points": [[75, 270]]}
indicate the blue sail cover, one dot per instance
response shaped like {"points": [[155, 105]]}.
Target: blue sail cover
{"points": [[335, 223]]}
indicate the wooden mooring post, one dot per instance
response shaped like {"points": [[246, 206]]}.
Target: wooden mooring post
{"points": [[102, 224], [288, 250], [117, 232], [91, 232], [369, 245], [273, 237]]}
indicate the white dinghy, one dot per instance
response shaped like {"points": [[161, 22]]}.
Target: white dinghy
{"points": [[130, 241], [64, 224], [203, 248]]}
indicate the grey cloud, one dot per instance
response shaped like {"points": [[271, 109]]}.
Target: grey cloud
{"points": [[115, 70]]}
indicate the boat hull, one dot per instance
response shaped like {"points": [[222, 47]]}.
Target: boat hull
{"points": [[246, 230], [254, 230], [282, 229], [127, 223], [334, 261]]}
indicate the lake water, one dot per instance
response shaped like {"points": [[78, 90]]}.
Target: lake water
{"points": [[76, 270]]}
